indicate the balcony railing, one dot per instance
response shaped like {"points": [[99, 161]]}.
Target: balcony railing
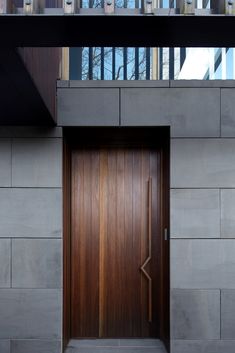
{"points": [[109, 7]]}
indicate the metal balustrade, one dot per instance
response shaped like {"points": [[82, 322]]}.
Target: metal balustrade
{"points": [[121, 63], [110, 7]]}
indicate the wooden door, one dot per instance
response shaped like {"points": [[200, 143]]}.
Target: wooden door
{"points": [[116, 226]]}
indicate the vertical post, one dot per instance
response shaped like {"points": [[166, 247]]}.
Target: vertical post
{"points": [[108, 6], [171, 63], [33, 6], [160, 63], [102, 63], [223, 6], [155, 64], [113, 63], [137, 57], [230, 7], [125, 61], [148, 63], [65, 67], [75, 63], [5, 6], [148, 6], [90, 64], [187, 7], [71, 6]]}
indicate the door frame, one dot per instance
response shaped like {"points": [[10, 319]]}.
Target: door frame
{"points": [[150, 136]]}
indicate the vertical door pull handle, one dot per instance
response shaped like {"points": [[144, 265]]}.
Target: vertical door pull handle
{"points": [[142, 268], [166, 234]]}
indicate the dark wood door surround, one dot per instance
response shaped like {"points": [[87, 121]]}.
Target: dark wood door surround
{"points": [[116, 210]]}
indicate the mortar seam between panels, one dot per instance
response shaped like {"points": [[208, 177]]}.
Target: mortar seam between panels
{"points": [[120, 123], [11, 158], [220, 212], [220, 113], [220, 315], [11, 263]]}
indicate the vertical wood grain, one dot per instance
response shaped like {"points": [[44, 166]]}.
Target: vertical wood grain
{"points": [[103, 236], [85, 244], [110, 241]]}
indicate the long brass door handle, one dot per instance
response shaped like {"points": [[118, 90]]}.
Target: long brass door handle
{"points": [[142, 268]]}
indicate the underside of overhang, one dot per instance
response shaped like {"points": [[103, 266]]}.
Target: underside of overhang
{"points": [[21, 103]]}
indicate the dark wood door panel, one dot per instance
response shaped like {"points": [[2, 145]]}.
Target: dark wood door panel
{"points": [[110, 225], [85, 243]]}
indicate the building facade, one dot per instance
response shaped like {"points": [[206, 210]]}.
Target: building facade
{"points": [[195, 118]]}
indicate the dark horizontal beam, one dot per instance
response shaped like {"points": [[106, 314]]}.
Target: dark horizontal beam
{"points": [[117, 30]]}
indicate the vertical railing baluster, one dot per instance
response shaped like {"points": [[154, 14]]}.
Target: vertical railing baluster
{"points": [[224, 64], [186, 7], [148, 63], [171, 63], [109, 6], [223, 7], [160, 63], [125, 63], [137, 58], [102, 63], [5, 6], [75, 63], [90, 64], [113, 63]]}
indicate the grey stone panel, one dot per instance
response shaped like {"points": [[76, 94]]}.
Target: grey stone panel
{"points": [[30, 313], [203, 263], [5, 263], [191, 112], [119, 84], [30, 131], [62, 83], [228, 213], [195, 314], [203, 83], [35, 346], [228, 112], [195, 213], [37, 162], [30, 213], [5, 162], [228, 314], [88, 107], [5, 346], [36, 263], [202, 163], [199, 346]]}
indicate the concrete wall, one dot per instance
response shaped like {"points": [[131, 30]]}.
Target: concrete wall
{"points": [[30, 240], [202, 119]]}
